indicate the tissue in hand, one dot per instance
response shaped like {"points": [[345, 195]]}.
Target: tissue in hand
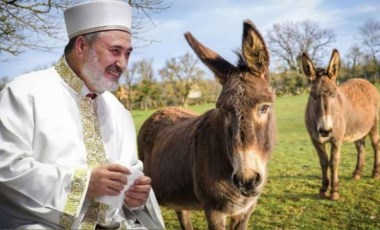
{"points": [[117, 201]]}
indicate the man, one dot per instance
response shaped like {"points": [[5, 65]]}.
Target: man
{"points": [[60, 128]]}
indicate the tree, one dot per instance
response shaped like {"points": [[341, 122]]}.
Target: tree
{"points": [[25, 24], [210, 89], [289, 40], [370, 35], [180, 74], [353, 58], [142, 18], [125, 92], [147, 90]]}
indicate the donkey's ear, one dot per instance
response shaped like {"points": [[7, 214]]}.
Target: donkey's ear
{"points": [[308, 67], [254, 50], [212, 60], [334, 65]]}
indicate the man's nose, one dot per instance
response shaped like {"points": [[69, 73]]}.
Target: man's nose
{"points": [[122, 63]]}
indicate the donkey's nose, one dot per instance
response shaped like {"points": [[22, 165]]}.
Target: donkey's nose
{"points": [[324, 132], [247, 186]]}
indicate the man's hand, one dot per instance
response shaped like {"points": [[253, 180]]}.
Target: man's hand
{"points": [[138, 193], [107, 180]]}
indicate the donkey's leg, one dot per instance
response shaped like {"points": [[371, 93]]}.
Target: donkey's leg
{"points": [[240, 222], [184, 217], [360, 159], [324, 162], [334, 164], [374, 135], [216, 220]]}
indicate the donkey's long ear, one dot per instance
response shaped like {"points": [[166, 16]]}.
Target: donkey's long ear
{"points": [[308, 67], [212, 60], [254, 50], [334, 65]]}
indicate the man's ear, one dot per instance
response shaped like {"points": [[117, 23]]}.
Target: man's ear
{"points": [[81, 46]]}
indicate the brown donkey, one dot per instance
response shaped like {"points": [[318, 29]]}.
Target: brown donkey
{"points": [[334, 114], [216, 162]]}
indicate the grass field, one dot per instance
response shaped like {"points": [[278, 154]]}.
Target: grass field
{"points": [[290, 200]]}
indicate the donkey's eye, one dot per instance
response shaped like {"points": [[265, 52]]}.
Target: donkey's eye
{"points": [[223, 112], [313, 95], [264, 109]]}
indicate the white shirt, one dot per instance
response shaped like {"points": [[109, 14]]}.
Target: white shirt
{"points": [[44, 164]]}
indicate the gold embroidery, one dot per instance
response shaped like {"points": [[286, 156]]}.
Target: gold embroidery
{"points": [[102, 213], [90, 219], [68, 75], [73, 199], [95, 153], [95, 156], [91, 131], [123, 225]]}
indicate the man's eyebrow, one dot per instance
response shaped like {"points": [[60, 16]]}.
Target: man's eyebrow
{"points": [[120, 47]]}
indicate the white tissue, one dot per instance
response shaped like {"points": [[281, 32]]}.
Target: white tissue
{"points": [[117, 201]]}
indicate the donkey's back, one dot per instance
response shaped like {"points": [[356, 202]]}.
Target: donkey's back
{"points": [[155, 124], [361, 108], [169, 131], [362, 94]]}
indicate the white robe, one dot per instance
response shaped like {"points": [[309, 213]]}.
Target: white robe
{"points": [[42, 145]]}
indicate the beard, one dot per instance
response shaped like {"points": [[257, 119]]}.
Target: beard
{"points": [[95, 75]]}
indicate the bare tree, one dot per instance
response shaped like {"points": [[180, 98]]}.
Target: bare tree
{"points": [[353, 58], [181, 74], [24, 23], [288, 40], [142, 18], [370, 35], [37, 24]]}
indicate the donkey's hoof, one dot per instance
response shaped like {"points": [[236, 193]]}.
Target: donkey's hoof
{"points": [[323, 195], [376, 176], [334, 196], [356, 176]]}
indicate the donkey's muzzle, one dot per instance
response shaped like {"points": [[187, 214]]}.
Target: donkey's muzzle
{"points": [[248, 186], [324, 132]]}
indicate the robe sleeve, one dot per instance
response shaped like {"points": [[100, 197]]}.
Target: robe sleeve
{"points": [[39, 187]]}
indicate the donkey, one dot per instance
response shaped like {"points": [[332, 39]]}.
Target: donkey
{"points": [[216, 162], [334, 114]]}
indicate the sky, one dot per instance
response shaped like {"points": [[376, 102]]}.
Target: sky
{"points": [[218, 25]]}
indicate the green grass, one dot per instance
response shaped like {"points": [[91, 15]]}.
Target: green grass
{"points": [[290, 199]]}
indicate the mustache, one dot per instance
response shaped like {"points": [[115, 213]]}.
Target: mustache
{"points": [[114, 69]]}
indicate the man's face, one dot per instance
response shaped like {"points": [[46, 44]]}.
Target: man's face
{"points": [[107, 58]]}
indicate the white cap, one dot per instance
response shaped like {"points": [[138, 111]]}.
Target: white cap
{"points": [[98, 15]]}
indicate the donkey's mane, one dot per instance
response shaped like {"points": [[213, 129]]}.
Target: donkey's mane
{"points": [[320, 72], [241, 63]]}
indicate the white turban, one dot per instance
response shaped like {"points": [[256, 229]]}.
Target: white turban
{"points": [[98, 15]]}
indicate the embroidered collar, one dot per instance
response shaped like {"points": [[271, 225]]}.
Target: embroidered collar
{"points": [[68, 75]]}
